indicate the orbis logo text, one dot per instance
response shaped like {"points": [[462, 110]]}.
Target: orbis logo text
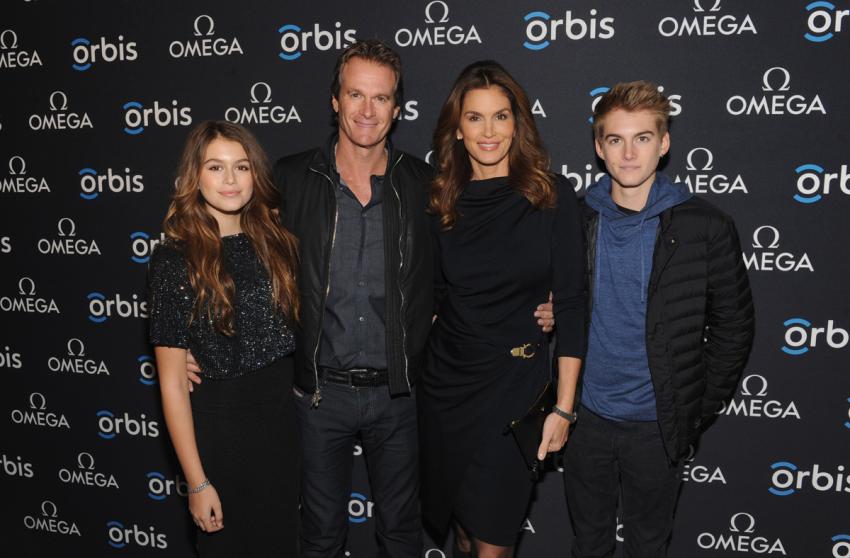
{"points": [[142, 245], [841, 546], [137, 117], [119, 536], [814, 182], [87, 52], [541, 29], [597, 92], [94, 183], [295, 40], [161, 487], [787, 478], [147, 370], [109, 425], [360, 508], [824, 21], [801, 336], [101, 307]]}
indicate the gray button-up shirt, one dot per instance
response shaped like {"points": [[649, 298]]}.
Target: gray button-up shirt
{"points": [[353, 329]]}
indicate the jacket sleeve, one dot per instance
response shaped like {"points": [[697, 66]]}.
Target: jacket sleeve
{"points": [[729, 316]]}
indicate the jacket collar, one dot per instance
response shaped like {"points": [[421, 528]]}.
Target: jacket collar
{"points": [[323, 157]]}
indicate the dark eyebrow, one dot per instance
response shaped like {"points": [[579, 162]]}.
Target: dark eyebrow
{"points": [[214, 160]]}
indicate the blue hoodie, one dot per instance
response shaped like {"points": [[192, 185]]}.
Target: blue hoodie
{"points": [[617, 383]]}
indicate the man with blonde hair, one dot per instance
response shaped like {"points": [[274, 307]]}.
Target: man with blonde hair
{"points": [[671, 326]]}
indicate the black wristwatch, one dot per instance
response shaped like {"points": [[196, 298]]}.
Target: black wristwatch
{"points": [[570, 417]]}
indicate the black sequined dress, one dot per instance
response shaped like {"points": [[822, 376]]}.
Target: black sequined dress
{"points": [[243, 411]]}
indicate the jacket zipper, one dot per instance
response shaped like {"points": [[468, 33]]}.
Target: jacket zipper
{"points": [[317, 395], [400, 267]]}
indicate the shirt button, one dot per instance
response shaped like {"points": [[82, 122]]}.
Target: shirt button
{"points": [[362, 318]]}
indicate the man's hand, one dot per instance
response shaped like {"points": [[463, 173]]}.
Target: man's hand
{"points": [[192, 370], [545, 316]]}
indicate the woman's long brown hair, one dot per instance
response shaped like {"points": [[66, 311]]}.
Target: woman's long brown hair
{"points": [[529, 163], [188, 221]]}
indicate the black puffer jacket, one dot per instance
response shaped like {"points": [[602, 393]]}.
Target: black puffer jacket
{"points": [[699, 316], [309, 211]]}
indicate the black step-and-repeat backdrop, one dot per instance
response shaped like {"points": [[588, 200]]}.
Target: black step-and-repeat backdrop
{"points": [[96, 100]]}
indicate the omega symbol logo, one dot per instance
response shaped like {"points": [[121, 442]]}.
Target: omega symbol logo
{"points": [[430, 19], [757, 235], [22, 290], [735, 528], [785, 83], [48, 505], [85, 457], [268, 96], [3, 43], [21, 170], [71, 344], [210, 30], [63, 106], [745, 385], [42, 402], [61, 227], [698, 7], [709, 159]]}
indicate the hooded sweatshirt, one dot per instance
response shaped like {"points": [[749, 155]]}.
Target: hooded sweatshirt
{"points": [[617, 383]]}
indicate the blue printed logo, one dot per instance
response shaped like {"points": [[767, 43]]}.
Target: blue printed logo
{"points": [[823, 21]]}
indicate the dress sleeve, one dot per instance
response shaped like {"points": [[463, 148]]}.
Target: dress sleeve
{"points": [[439, 278], [568, 274], [169, 298]]}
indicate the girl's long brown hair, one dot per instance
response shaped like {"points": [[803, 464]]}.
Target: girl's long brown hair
{"points": [[529, 162], [188, 221]]}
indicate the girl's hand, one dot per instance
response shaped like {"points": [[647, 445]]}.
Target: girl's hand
{"points": [[205, 508]]}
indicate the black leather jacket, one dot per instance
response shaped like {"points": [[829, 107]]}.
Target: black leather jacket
{"points": [[308, 209]]}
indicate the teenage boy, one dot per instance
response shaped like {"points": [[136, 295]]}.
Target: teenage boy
{"points": [[671, 325]]}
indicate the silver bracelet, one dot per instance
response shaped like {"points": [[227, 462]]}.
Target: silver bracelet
{"points": [[200, 487]]}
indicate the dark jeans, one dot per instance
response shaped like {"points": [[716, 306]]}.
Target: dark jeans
{"points": [[387, 426], [606, 460]]}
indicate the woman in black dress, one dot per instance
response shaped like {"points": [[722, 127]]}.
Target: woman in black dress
{"points": [[222, 285], [506, 234]]}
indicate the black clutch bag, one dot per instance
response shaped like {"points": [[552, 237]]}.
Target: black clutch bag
{"points": [[527, 430]]}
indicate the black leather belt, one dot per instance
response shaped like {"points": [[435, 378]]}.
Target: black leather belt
{"points": [[355, 377]]}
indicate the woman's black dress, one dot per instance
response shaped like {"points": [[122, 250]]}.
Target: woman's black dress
{"points": [[498, 262], [243, 411]]}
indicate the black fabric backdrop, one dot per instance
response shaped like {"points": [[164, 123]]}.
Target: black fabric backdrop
{"points": [[96, 100]]}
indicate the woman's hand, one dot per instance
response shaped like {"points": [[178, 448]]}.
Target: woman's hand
{"points": [[555, 432], [205, 508]]}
